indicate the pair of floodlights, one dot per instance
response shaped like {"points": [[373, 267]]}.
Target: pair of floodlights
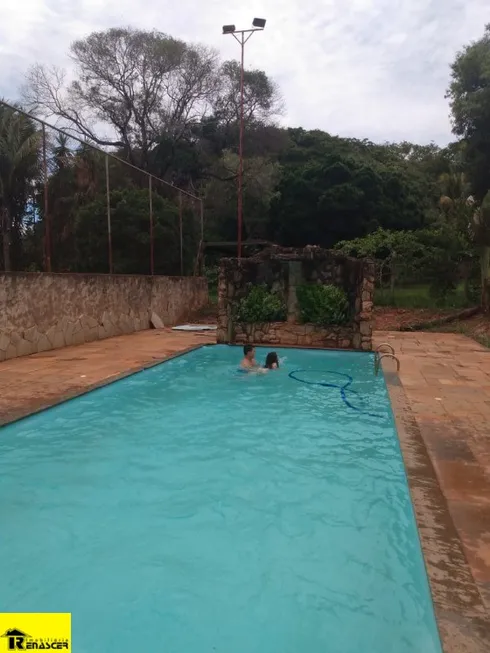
{"points": [[258, 23]]}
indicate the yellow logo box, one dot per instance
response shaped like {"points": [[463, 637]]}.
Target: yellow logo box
{"points": [[35, 631]]}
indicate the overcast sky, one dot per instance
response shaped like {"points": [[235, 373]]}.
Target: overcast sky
{"points": [[374, 69]]}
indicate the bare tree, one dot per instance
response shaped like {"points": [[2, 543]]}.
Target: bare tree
{"points": [[262, 99], [130, 86]]}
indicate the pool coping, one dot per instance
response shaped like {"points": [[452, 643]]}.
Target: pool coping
{"points": [[461, 616]]}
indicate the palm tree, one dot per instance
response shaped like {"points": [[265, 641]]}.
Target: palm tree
{"points": [[457, 207], [20, 144], [456, 200]]}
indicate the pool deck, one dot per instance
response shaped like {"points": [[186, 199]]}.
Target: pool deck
{"points": [[441, 402]]}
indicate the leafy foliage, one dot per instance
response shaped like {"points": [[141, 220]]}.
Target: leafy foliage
{"points": [[262, 99], [261, 305], [469, 95], [130, 233], [323, 305], [19, 167], [482, 238], [335, 189]]}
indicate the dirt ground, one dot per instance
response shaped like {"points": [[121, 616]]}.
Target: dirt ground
{"points": [[387, 318], [477, 327], [392, 319]]}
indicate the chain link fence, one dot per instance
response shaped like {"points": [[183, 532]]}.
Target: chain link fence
{"points": [[68, 206]]}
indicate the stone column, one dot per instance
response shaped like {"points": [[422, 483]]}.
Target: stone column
{"points": [[295, 279]]}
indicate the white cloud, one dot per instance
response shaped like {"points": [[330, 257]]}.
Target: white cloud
{"points": [[373, 69]]}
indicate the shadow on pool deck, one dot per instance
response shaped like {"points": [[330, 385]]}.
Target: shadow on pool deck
{"points": [[441, 401]]}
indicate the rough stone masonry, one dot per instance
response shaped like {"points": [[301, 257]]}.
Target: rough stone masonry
{"points": [[283, 270], [39, 312]]}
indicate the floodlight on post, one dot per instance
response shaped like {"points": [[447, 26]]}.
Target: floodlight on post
{"points": [[242, 36]]}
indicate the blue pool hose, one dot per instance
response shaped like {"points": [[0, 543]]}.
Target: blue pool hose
{"points": [[344, 389]]}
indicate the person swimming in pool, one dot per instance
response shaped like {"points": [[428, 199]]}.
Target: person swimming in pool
{"points": [[271, 361], [248, 362]]}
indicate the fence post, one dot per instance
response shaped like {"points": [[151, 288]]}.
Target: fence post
{"points": [[181, 237], [202, 219], [152, 244], [108, 198], [47, 224]]}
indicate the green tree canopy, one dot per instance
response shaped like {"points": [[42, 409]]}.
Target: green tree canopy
{"points": [[19, 166], [334, 189], [469, 95]]}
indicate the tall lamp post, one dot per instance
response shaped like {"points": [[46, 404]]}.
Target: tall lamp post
{"points": [[242, 36]]}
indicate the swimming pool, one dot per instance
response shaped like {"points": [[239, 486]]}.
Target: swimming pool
{"points": [[190, 509]]}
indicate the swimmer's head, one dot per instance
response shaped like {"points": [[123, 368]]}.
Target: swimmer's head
{"points": [[249, 352], [271, 360]]}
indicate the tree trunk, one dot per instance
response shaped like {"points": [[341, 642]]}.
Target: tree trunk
{"points": [[466, 273], [485, 277], [6, 240], [392, 281]]}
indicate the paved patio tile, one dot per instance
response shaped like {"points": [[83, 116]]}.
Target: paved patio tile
{"points": [[452, 413]]}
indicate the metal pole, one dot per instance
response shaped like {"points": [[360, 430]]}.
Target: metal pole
{"points": [[108, 198], [47, 224], [97, 149], [152, 245], [240, 150], [181, 237], [202, 220]]}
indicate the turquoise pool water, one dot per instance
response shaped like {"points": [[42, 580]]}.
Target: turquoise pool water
{"points": [[192, 509]]}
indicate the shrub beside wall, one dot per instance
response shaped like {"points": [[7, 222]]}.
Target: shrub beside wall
{"points": [[261, 305], [323, 305]]}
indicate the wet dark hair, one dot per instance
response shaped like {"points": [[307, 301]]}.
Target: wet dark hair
{"points": [[271, 358], [247, 349]]}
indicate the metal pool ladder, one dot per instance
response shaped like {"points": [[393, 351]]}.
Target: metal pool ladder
{"points": [[379, 354]]}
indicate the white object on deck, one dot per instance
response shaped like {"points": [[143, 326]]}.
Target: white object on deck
{"points": [[195, 327], [156, 321]]}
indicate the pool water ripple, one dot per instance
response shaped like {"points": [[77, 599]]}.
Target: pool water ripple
{"points": [[216, 511]]}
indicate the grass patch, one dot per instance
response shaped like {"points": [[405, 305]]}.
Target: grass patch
{"points": [[213, 294], [482, 339], [419, 297]]}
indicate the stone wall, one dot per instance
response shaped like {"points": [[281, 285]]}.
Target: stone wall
{"points": [[283, 270], [47, 311], [298, 335]]}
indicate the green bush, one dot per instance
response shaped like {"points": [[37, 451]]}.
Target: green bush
{"points": [[211, 274], [261, 305], [420, 296], [322, 305]]}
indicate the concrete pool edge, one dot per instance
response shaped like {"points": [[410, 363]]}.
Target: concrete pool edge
{"points": [[461, 615], [69, 395]]}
